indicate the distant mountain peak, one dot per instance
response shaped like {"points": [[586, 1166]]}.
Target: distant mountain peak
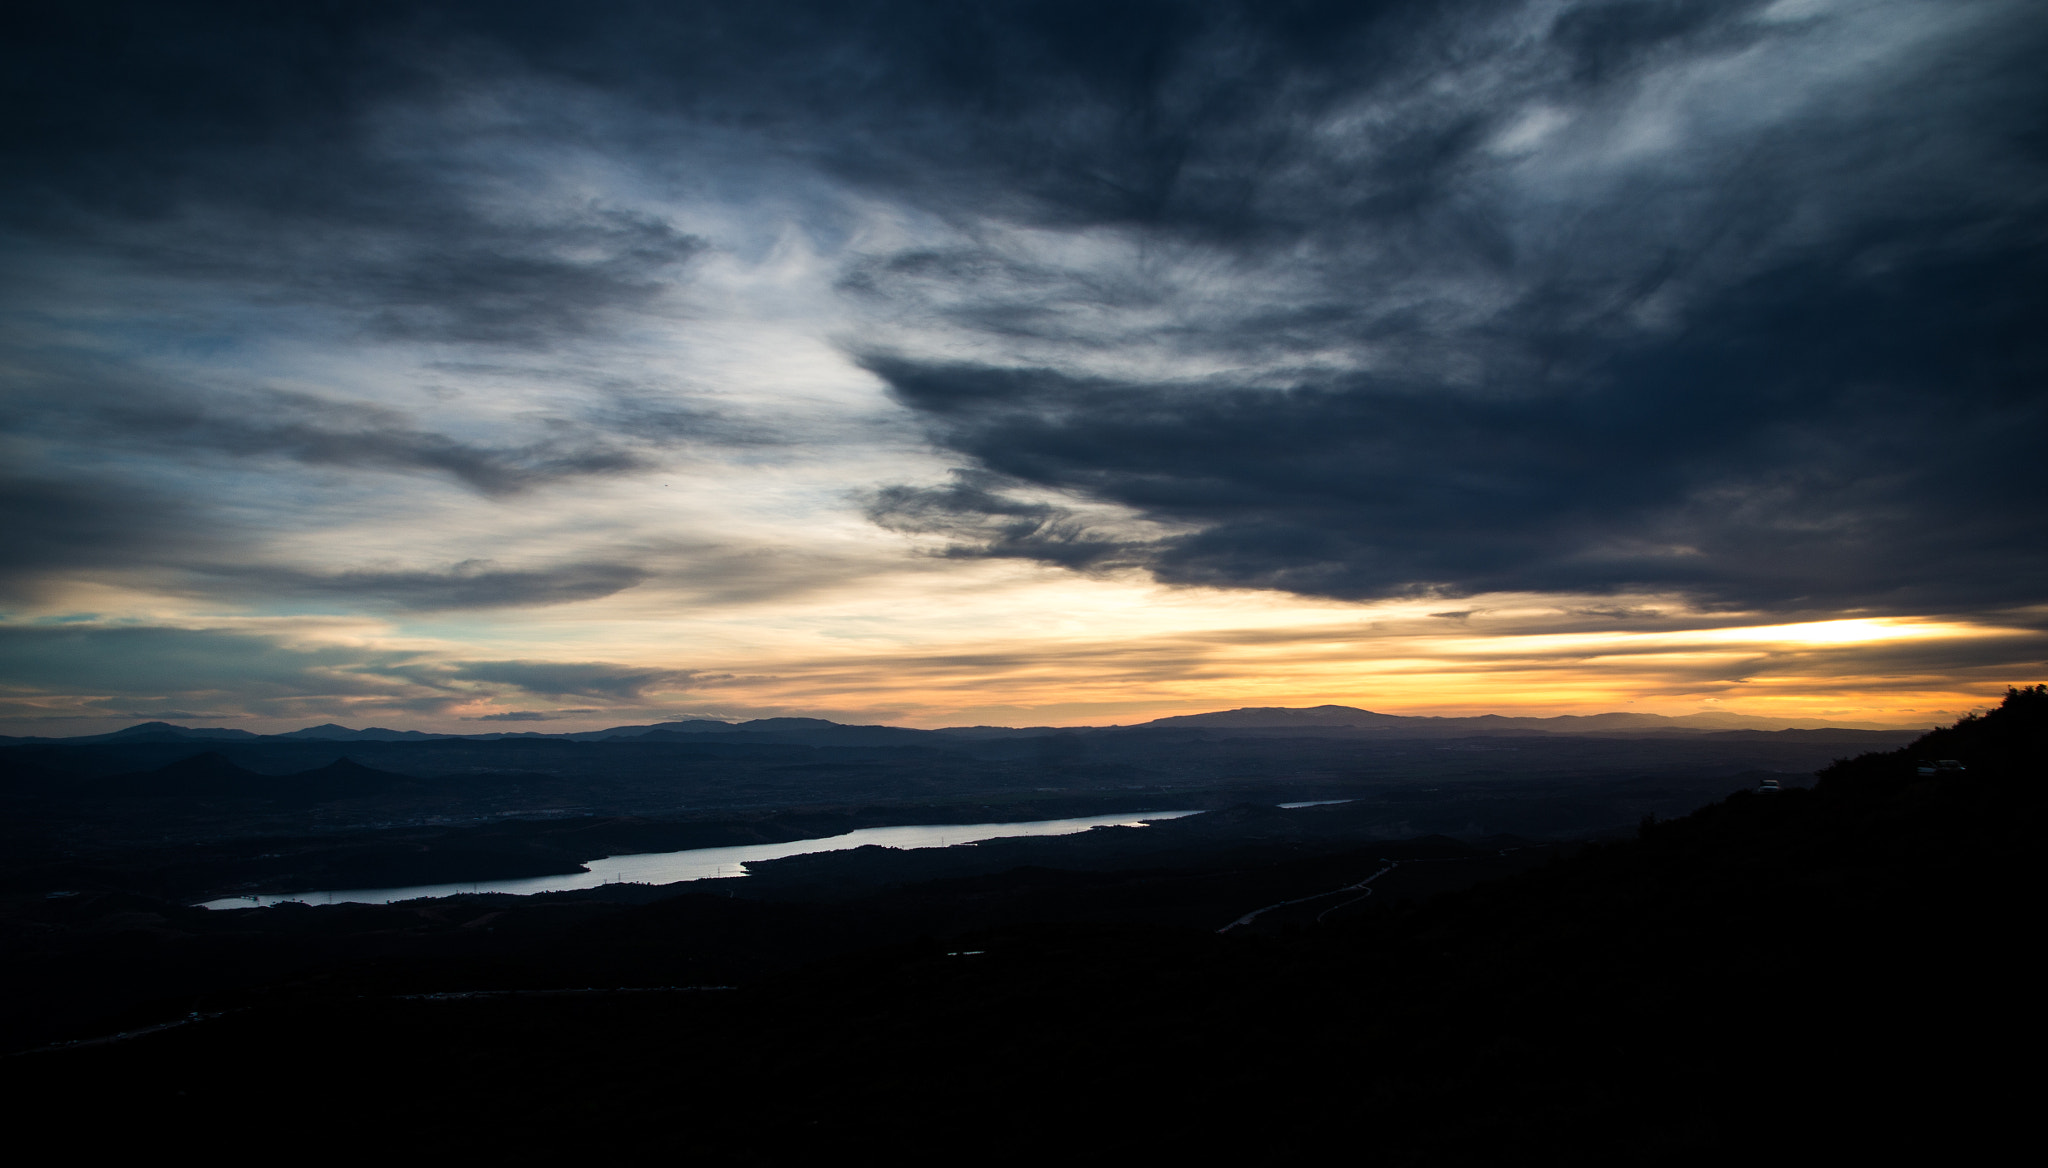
{"points": [[704, 725], [168, 730], [344, 768], [330, 732], [1351, 717], [1250, 716]]}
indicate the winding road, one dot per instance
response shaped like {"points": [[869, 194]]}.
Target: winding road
{"points": [[1362, 887], [1256, 913]]}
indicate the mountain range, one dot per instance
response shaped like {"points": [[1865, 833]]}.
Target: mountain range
{"points": [[1311, 721]]}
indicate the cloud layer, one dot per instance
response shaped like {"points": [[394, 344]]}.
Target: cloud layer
{"points": [[465, 316], [1657, 296]]}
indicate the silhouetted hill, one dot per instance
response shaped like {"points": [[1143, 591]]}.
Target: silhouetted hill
{"points": [[208, 775], [328, 731], [1336, 718], [214, 776], [344, 778], [144, 732], [166, 730], [1341, 717], [2006, 745]]}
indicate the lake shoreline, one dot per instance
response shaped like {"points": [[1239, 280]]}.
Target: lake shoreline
{"points": [[693, 865]]}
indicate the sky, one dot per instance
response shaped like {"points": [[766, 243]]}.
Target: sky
{"points": [[548, 366]]}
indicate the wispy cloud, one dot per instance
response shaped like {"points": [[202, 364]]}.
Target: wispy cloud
{"points": [[577, 679]]}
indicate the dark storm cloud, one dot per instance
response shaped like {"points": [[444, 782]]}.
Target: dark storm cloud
{"points": [[556, 679], [1209, 119], [1816, 437], [58, 524], [120, 667], [321, 432], [74, 398], [475, 584], [973, 511], [441, 275], [260, 148], [1796, 365], [1179, 113], [143, 661], [58, 527]]}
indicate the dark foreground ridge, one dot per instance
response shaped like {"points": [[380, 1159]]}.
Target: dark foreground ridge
{"points": [[1806, 972]]}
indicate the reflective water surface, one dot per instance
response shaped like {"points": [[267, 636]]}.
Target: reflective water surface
{"points": [[707, 863]]}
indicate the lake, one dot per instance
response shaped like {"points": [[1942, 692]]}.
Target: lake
{"points": [[710, 863]]}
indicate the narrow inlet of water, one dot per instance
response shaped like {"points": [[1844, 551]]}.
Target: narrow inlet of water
{"points": [[709, 863]]}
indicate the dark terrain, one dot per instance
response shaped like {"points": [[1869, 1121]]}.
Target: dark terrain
{"points": [[189, 815], [1814, 969]]}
